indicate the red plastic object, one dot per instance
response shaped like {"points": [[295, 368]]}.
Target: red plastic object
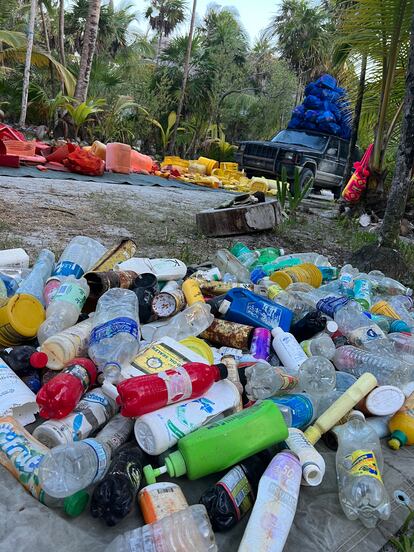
{"points": [[12, 161], [9, 133], [61, 153], [60, 395], [140, 163], [84, 162], [38, 360], [143, 394]]}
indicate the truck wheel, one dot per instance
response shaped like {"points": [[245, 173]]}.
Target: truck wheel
{"points": [[305, 176]]}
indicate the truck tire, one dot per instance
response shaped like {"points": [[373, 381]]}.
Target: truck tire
{"points": [[305, 176]]}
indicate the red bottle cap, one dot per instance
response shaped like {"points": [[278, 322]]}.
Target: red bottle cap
{"points": [[38, 360], [89, 366]]}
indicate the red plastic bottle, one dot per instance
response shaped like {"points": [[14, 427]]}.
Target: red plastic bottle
{"points": [[143, 394], [59, 396]]}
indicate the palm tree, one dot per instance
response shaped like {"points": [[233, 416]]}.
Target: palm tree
{"points": [[28, 62], [185, 75], [88, 50], [164, 16], [61, 32]]}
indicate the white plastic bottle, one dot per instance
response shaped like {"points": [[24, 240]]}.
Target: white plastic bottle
{"points": [[114, 339], [65, 307], [160, 430], [34, 283], [188, 529], [321, 345], [78, 257], [275, 506], [359, 464], [313, 464], [288, 350], [192, 321], [64, 346]]}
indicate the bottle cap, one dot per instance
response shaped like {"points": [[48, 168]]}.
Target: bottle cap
{"points": [[398, 440], [224, 307], [313, 434], [385, 400], [331, 327], [222, 368], [257, 274], [312, 474], [75, 505], [277, 331], [151, 473], [399, 326], [175, 464], [38, 360]]}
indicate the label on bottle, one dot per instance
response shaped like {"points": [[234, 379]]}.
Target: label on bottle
{"points": [[71, 293], [178, 384], [301, 408], [360, 336], [239, 490], [100, 456], [116, 432], [113, 327], [268, 315], [363, 462], [329, 305], [288, 381], [363, 292], [66, 268], [90, 414], [79, 372], [347, 281], [306, 347], [159, 357]]}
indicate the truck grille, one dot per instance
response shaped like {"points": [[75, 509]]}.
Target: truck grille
{"points": [[260, 150]]}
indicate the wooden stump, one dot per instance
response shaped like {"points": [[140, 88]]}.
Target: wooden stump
{"points": [[243, 219]]}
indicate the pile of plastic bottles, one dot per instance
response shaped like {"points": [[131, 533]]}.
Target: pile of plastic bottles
{"points": [[136, 367], [325, 109]]}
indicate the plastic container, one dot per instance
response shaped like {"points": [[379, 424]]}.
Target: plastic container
{"points": [[384, 400], [321, 345], [363, 291], [34, 283], [313, 464], [191, 322], [160, 500], [164, 269], [118, 158], [401, 425], [14, 258], [228, 263], [210, 164], [264, 381], [260, 344], [64, 346], [297, 408], [78, 257], [192, 292], [223, 443], [20, 319], [288, 350]]}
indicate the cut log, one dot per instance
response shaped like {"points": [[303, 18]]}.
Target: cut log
{"points": [[244, 219]]}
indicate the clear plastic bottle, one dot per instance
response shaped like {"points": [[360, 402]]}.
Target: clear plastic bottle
{"points": [[228, 263], [357, 327], [321, 345], [294, 302], [114, 339], [346, 279], [363, 291], [192, 321], [388, 286], [65, 307], [67, 469], [359, 464], [317, 376], [34, 283], [66, 345], [388, 370], [188, 529], [314, 258], [78, 257], [264, 381], [402, 312]]}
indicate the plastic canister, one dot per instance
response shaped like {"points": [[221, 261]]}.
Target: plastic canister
{"points": [[160, 500], [20, 319], [118, 158]]}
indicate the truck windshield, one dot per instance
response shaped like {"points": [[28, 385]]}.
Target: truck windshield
{"points": [[301, 138]]}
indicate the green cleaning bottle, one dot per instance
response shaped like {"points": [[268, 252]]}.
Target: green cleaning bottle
{"points": [[222, 444]]}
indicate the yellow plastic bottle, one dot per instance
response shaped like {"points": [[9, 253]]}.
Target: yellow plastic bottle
{"points": [[366, 383], [401, 425]]}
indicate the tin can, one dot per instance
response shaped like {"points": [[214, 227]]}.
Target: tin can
{"points": [[100, 282], [229, 334], [166, 304], [117, 254], [260, 345]]}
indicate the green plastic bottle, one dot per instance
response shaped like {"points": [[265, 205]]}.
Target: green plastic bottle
{"points": [[222, 444]]}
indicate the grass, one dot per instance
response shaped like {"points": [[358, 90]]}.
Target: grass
{"points": [[8, 238]]}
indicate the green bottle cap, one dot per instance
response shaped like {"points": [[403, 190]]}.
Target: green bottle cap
{"points": [[175, 464], [75, 505], [397, 437], [151, 473]]}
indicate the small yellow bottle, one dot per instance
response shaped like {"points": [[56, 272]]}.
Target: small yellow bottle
{"points": [[192, 292], [401, 425]]}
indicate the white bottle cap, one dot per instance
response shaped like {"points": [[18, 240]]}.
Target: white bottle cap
{"points": [[277, 331], [312, 474], [331, 327], [151, 436], [224, 307], [385, 400]]}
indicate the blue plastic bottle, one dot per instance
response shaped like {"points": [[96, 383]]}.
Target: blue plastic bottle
{"points": [[245, 307], [301, 407]]}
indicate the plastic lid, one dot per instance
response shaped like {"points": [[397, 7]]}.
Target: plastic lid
{"points": [[175, 464], [200, 347], [331, 327], [312, 474], [281, 278], [38, 360], [257, 274], [25, 314], [277, 331], [385, 400], [75, 505], [224, 307], [398, 440]]}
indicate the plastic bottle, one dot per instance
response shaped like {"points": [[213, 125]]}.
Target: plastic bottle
{"points": [[317, 376], [233, 496], [341, 407], [160, 500], [114, 338], [34, 283], [268, 255], [359, 465], [388, 370], [298, 409], [65, 307], [143, 394], [223, 443], [310, 325], [187, 529], [272, 516], [228, 263], [288, 350], [245, 307], [387, 286], [78, 257], [264, 381], [293, 302], [22, 359], [244, 255], [158, 431], [313, 464], [321, 345], [401, 425], [64, 346], [347, 276], [113, 497], [308, 257], [402, 312], [190, 322], [269, 268], [91, 413], [59, 396], [67, 469], [357, 327], [116, 432]]}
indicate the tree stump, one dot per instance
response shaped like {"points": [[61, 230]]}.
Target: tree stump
{"points": [[243, 219]]}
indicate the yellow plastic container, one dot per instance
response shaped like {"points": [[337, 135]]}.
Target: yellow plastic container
{"points": [[199, 347], [225, 166], [259, 185], [192, 292], [401, 425], [20, 319], [210, 164], [384, 308], [307, 273], [196, 168], [360, 389], [99, 150]]}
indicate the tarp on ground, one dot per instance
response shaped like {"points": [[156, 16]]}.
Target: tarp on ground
{"points": [[28, 526]]}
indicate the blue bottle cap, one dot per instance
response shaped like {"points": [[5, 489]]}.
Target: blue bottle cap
{"points": [[257, 274]]}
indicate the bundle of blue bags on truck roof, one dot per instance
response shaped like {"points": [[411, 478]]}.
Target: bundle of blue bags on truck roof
{"points": [[325, 108]]}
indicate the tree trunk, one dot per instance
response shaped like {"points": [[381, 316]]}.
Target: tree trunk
{"points": [[28, 62], [185, 75], [355, 121], [88, 50], [47, 44], [404, 166], [62, 32]]}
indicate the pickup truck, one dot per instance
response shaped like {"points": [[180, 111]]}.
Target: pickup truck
{"points": [[316, 155]]}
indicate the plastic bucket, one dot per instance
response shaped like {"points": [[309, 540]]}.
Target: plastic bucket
{"points": [[20, 318], [210, 164]]}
